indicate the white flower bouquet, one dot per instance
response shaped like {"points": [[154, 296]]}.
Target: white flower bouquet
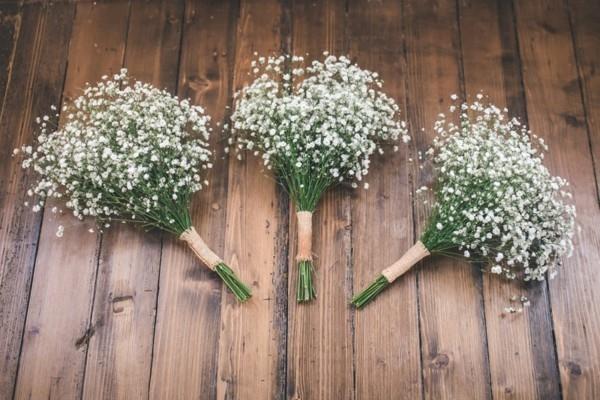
{"points": [[128, 152], [496, 203], [316, 126]]}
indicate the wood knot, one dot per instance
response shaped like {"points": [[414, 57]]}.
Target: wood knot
{"points": [[197, 84], [120, 303], [573, 121], [85, 338], [574, 368], [440, 361]]}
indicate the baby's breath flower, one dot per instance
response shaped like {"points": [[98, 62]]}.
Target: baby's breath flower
{"points": [[124, 152], [319, 124], [315, 125], [496, 200]]}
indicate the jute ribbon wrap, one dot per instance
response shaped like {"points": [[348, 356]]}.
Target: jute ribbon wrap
{"points": [[410, 258], [200, 249], [304, 236]]}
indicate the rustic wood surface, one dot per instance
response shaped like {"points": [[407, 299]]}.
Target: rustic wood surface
{"points": [[129, 314]]}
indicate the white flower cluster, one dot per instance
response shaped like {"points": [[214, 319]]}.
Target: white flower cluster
{"points": [[324, 119], [496, 201], [126, 151]]}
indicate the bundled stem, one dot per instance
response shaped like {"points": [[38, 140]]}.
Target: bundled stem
{"points": [[237, 287], [370, 292], [212, 261], [415, 254], [306, 290]]}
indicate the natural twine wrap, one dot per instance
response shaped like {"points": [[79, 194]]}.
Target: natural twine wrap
{"points": [[200, 249], [304, 236], [415, 254]]}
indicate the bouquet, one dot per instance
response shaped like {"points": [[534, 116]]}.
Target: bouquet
{"points": [[496, 203], [316, 126], [132, 153]]}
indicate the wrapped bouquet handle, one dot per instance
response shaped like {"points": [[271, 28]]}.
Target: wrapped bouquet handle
{"points": [[306, 290], [200, 248], [214, 262], [415, 254]]}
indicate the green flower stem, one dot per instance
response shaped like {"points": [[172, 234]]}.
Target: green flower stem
{"points": [[211, 260], [306, 290], [416, 253], [237, 287], [365, 297]]}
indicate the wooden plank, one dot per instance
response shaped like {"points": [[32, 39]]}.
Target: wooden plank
{"points": [[521, 347], [320, 360], [253, 334], [120, 351], [188, 320], [453, 337], [32, 85], [387, 351], [584, 16], [66, 267], [10, 24], [556, 113]]}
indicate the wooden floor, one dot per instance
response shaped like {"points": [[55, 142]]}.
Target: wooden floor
{"points": [[133, 315]]}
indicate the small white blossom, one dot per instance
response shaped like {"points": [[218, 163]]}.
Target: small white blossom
{"points": [[125, 152], [60, 231], [325, 119], [495, 197]]}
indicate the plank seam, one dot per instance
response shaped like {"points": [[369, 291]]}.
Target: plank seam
{"points": [[35, 259], [162, 236], [520, 64], [99, 247], [584, 103], [411, 184], [478, 274], [282, 292], [13, 53]]}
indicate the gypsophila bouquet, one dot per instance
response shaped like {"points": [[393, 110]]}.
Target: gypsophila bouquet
{"points": [[128, 152], [496, 203], [315, 125]]}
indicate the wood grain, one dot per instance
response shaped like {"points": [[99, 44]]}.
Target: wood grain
{"points": [[32, 85], [188, 321], [453, 340], [66, 268], [120, 351], [134, 315], [252, 334], [320, 362], [585, 30], [10, 25], [555, 111], [387, 349], [521, 347]]}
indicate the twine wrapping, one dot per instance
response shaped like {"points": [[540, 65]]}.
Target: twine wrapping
{"points": [[304, 236], [415, 254], [200, 248]]}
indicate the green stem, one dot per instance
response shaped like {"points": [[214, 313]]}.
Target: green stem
{"points": [[365, 297], [239, 289], [306, 290]]}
